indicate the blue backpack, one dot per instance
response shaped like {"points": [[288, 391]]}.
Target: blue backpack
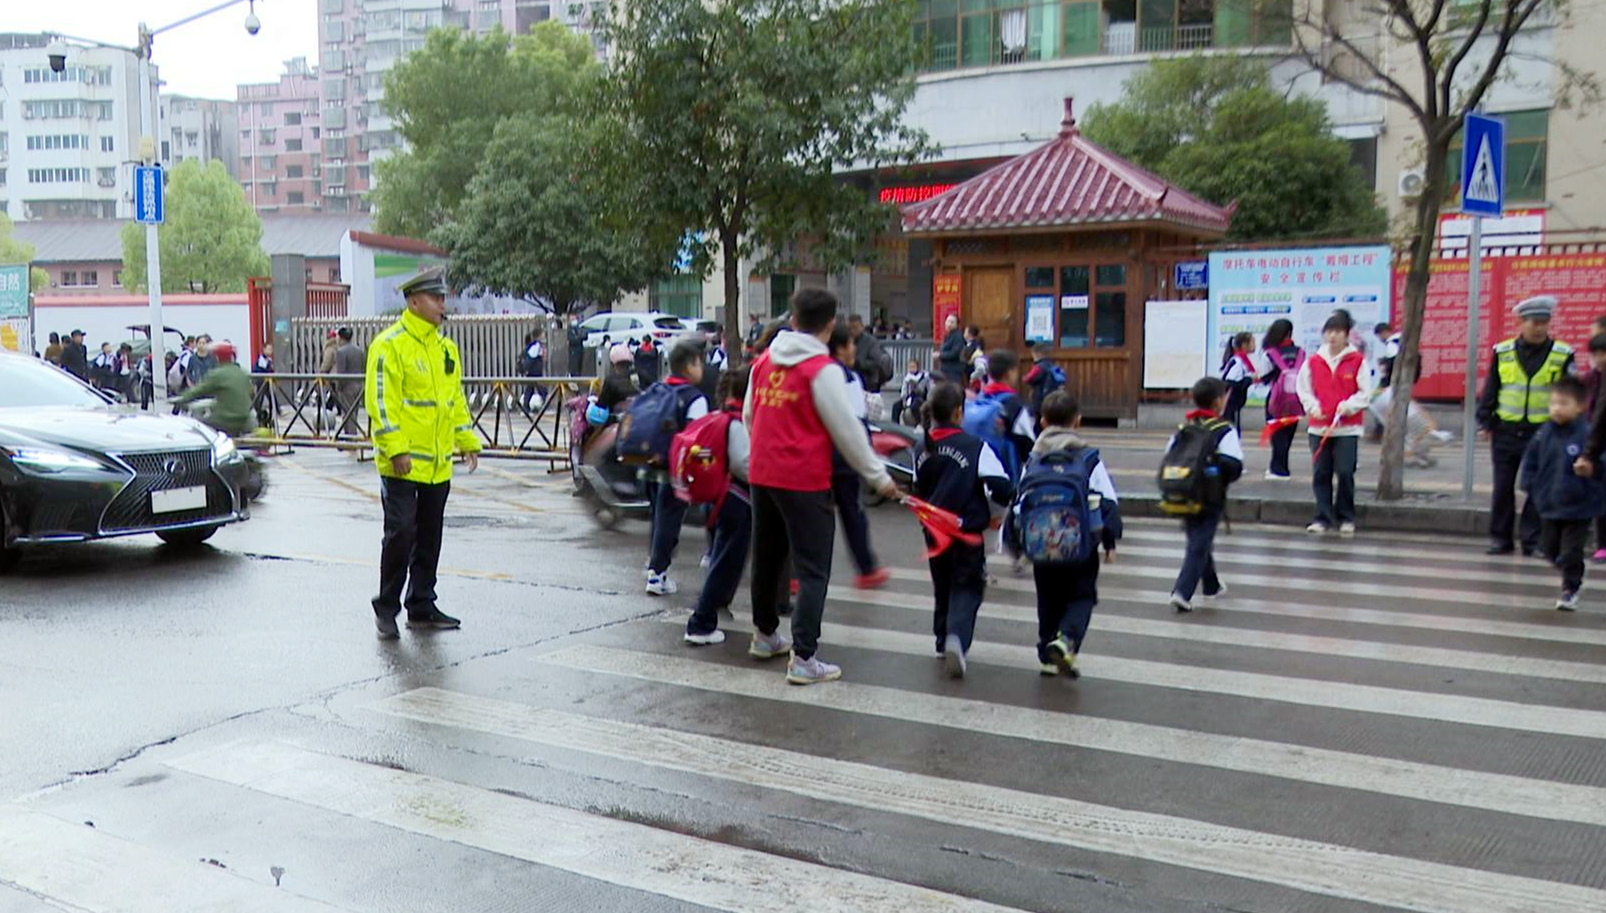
{"points": [[1053, 520], [984, 419], [646, 431]]}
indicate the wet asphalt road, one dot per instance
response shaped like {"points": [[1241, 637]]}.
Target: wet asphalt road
{"points": [[1396, 724]]}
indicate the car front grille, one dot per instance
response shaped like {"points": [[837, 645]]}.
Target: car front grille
{"points": [[131, 509]]}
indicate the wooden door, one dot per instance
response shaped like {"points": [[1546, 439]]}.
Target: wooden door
{"points": [[990, 305]]}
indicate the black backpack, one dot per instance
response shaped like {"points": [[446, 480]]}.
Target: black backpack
{"points": [[1190, 481]]}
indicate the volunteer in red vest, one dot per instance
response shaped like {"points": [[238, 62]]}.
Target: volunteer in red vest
{"points": [[796, 411], [1335, 386]]}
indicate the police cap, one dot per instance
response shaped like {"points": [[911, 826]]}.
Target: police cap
{"points": [[1539, 307], [431, 281]]}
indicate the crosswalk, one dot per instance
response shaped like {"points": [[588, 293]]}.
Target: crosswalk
{"points": [[1395, 723]]}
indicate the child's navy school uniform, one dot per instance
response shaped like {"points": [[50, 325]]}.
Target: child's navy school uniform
{"points": [[1019, 427], [1067, 594], [958, 472], [1567, 503], [846, 488], [1199, 561]]}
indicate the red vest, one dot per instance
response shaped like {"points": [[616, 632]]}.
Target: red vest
{"points": [[790, 447], [1333, 386]]}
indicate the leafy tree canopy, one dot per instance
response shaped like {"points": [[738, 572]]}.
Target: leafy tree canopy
{"points": [[1216, 127], [211, 240]]}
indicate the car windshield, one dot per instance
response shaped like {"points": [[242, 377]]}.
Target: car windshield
{"points": [[669, 323], [25, 382]]}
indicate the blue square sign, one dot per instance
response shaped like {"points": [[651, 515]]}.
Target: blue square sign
{"points": [[1483, 166], [148, 203], [1192, 275]]}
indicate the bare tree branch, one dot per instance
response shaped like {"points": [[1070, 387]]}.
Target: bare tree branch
{"points": [[1472, 36], [1518, 12], [1385, 86]]}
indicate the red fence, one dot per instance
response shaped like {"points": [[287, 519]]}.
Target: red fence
{"points": [[324, 299], [1576, 278]]}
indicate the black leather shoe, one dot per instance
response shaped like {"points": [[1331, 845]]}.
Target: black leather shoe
{"points": [[1499, 549], [386, 625], [1528, 551], [436, 620]]}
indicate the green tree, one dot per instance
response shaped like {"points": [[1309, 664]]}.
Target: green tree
{"points": [[448, 98], [741, 114], [1441, 60], [211, 240], [539, 223], [1217, 128], [13, 252]]}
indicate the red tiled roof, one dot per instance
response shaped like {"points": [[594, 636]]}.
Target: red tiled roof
{"points": [[1066, 183], [396, 243]]}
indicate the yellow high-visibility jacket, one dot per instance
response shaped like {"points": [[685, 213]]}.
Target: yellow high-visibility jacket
{"points": [[416, 406]]}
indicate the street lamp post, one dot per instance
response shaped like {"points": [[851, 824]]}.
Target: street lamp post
{"points": [[147, 156]]}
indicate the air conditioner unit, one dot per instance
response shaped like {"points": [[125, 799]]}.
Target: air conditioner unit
{"points": [[1411, 184]]}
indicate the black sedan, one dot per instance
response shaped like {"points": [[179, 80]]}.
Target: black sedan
{"points": [[75, 467]]}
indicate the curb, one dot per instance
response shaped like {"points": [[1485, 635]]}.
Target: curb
{"points": [[1454, 519]]}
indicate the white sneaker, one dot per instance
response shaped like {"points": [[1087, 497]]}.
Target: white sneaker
{"points": [[768, 646], [661, 585], [715, 636], [1347, 530], [1317, 529], [1274, 477], [705, 561], [1568, 601], [811, 671], [1180, 604], [953, 656], [1211, 597], [1443, 437]]}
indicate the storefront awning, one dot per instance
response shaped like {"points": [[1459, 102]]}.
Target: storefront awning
{"points": [[1067, 183]]}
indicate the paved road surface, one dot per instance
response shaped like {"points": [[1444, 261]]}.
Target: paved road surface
{"points": [[1397, 723]]}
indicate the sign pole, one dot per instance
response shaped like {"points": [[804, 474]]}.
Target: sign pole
{"points": [[153, 247], [1469, 409]]}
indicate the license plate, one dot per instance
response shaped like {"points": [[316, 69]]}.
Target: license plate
{"points": [[176, 499]]}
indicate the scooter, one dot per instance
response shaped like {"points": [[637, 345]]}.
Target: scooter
{"points": [[896, 446], [256, 477], [614, 490]]}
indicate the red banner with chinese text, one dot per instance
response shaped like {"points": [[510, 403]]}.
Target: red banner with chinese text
{"points": [[945, 300], [1578, 282]]}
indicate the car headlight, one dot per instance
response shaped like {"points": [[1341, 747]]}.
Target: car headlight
{"points": [[223, 449], [48, 459]]}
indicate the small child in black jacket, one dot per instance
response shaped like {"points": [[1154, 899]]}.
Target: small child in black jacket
{"points": [[1199, 562], [1066, 594], [1568, 503], [958, 472]]}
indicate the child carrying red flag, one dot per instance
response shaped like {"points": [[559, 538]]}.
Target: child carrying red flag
{"points": [[958, 473]]}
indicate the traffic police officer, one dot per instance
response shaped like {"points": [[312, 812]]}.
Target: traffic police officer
{"points": [[414, 396], [1514, 404]]}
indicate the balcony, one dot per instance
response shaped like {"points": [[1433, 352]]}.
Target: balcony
{"points": [[962, 34]]}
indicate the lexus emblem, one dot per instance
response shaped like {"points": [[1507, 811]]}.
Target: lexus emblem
{"points": [[174, 467]]}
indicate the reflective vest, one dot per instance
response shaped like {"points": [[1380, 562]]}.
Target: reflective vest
{"points": [[414, 396], [1525, 399]]}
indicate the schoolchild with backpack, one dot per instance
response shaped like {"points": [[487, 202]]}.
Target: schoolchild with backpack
{"points": [[1065, 511], [1239, 373], [958, 471], [710, 467], [998, 415], [1204, 457], [1044, 378], [1284, 359], [656, 415], [846, 489]]}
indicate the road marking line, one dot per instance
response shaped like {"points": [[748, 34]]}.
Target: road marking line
{"points": [[1147, 475], [1562, 632], [1543, 799], [363, 562], [1418, 705], [1305, 865], [1531, 573], [1252, 546], [339, 483], [660, 862], [1470, 660], [1280, 532], [90, 870]]}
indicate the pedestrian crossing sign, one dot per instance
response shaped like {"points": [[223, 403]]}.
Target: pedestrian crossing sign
{"points": [[1483, 166]]}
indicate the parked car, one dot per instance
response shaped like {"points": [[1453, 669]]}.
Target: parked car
{"points": [[75, 467], [616, 326]]}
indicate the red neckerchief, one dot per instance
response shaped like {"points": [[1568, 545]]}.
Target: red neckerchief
{"points": [[996, 387], [675, 380], [1243, 359], [733, 405], [942, 434], [1200, 413]]}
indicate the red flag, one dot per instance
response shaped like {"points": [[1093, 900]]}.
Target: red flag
{"points": [[942, 525], [1275, 425], [1316, 454]]}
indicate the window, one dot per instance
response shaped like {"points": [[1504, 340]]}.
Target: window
{"points": [[167, 151], [58, 175], [267, 137], [1089, 302], [1527, 141], [315, 132], [69, 278], [106, 177], [292, 145], [334, 274], [117, 278], [292, 171], [107, 144], [295, 198], [89, 278], [265, 107]]}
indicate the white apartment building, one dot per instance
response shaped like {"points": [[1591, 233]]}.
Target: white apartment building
{"points": [[66, 138], [198, 128]]}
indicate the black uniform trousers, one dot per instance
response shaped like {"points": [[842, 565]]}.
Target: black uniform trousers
{"points": [[1507, 445], [411, 550]]}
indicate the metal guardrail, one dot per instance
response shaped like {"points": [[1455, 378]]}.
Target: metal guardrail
{"points": [[490, 344], [315, 410], [902, 351]]}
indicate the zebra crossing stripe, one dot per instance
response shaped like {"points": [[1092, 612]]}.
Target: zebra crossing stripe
{"points": [[713, 875], [1561, 670], [1306, 865], [1420, 705], [1347, 770], [76, 867], [1532, 573], [1361, 551], [1563, 632]]}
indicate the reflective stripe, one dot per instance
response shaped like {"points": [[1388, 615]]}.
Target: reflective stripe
{"points": [[379, 393], [386, 429], [423, 456], [468, 427], [1525, 399], [426, 403]]}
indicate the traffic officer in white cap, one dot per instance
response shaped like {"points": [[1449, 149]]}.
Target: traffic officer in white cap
{"points": [[1514, 404], [420, 418]]}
